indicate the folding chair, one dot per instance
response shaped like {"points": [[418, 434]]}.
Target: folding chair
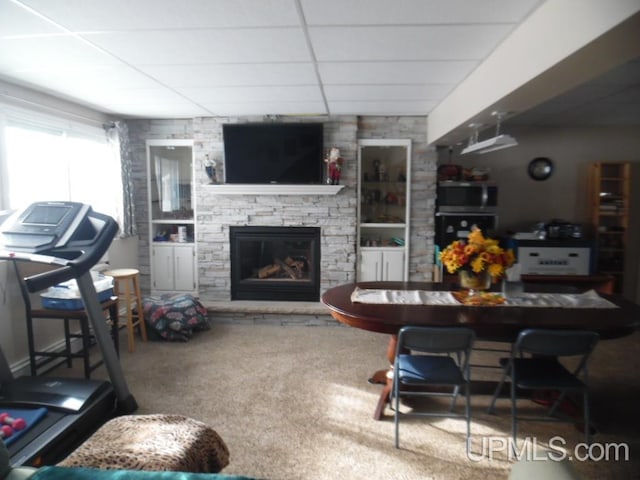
{"points": [[424, 358], [543, 371]]}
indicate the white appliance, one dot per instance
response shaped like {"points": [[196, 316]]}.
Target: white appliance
{"points": [[554, 258]]}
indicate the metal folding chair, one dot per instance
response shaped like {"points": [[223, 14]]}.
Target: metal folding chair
{"points": [[543, 371], [432, 357]]}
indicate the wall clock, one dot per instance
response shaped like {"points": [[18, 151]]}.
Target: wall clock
{"points": [[540, 168]]}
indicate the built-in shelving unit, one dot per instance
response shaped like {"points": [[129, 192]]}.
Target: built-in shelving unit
{"points": [[610, 182], [384, 185], [171, 216]]}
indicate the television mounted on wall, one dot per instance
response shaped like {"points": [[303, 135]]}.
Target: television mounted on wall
{"points": [[273, 153]]}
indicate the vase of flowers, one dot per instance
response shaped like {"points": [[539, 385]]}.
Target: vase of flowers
{"points": [[479, 260]]}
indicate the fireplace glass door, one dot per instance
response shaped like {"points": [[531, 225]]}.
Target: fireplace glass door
{"points": [[275, 263]]}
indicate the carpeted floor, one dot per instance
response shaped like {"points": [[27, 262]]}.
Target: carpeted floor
{"points": [[293, 402]]}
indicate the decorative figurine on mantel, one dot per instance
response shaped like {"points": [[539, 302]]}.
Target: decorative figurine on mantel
{"points": [[210, 168], [334, 166]]}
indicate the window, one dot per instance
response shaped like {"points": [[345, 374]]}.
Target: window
{"points": [[49, 160]]}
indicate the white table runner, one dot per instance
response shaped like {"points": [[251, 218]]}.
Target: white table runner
{"points": [[589, 299]]}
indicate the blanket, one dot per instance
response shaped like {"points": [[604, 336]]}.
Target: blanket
{"points": [[174, 316]]}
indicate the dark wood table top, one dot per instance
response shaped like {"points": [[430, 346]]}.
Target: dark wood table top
{"points": [[499, 323]]}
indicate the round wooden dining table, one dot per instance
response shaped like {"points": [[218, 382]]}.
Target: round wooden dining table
{"points": [[499, 323]]}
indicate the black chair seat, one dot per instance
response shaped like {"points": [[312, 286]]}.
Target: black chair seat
{"points": [[534, 373]]}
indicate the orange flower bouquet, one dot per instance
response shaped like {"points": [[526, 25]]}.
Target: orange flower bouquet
{"points": [[477, 254]]}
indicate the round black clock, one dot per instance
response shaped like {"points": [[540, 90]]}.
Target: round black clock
{"points": [[540, 168]]}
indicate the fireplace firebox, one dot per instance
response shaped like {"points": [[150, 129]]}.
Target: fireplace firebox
{"points": [[275, 263]]}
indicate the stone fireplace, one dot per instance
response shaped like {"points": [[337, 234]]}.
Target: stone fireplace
{"points": [[335, 214], [275, 263]]}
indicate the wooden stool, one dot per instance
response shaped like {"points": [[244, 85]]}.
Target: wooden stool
{"points": [[127, 287]]}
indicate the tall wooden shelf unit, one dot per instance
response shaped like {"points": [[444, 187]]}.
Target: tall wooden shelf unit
{"points": [[610, 182]]}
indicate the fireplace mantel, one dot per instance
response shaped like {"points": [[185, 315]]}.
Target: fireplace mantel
{"points": [[267, 189]]}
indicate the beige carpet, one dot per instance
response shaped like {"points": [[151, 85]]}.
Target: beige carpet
{"points": [[293, 402]]}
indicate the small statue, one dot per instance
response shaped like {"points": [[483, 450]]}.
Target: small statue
{"points": [[334, 166], [210, 168]]}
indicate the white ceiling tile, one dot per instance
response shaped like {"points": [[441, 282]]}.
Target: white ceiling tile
{"points": [[370, 12], [136, 96], [81, 79], [214, 75], [93, 15], [385, 92], [206, 46], [381, 108], [158, 110], [452, 42], [395, 72], [292, 93], [15, 20], [49, 52], [267, 108]]}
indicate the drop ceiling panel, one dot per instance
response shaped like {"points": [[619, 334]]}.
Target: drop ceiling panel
{"points": [[470, 42], [88, 84], [205, 46], [447, 72], [137, 96], [48, 53], [158, 110], [84, 79], [93, 15], [384, 92], [291, 93], [15, 20], [224, 75], [368, 12], [267, 108], [380, 107]]}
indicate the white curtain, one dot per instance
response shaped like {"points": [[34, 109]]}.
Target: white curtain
{"points": [[168, 181]]}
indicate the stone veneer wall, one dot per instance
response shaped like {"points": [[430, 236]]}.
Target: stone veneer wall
{"points": [[334, 214]]}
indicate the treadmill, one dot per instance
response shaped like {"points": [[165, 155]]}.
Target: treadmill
{"points": [[71, 238]]}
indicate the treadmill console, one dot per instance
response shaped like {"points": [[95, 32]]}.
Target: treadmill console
{"points": [[43, 226], [68, 234]]}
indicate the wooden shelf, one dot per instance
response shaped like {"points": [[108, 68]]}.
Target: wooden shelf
{"points": [[609, 190]]}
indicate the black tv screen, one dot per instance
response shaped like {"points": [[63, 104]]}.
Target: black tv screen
{"points": [[287, 153]]}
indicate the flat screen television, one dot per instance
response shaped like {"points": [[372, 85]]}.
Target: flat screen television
{"points": [[285, 153]]}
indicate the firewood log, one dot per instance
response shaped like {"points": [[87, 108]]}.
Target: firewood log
{"points": [[290, 271], [268, 271]]}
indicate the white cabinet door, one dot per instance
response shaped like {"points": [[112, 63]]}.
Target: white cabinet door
{"points": [[162, 270], [393, 265], [370, 266], [381, 265], [184, 268], [173, 268]]}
